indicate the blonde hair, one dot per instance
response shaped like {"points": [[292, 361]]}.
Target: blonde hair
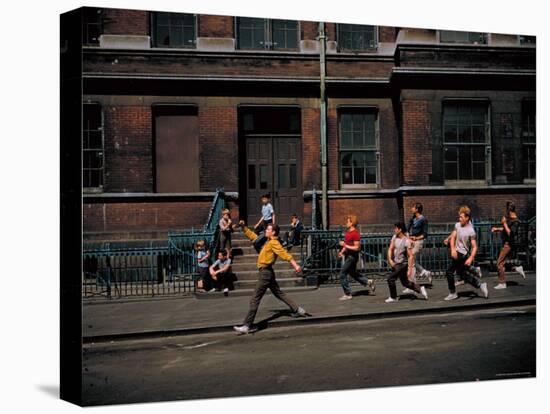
{"points": [[200, 243], [225, 211], [353, 219], [466, 211]]}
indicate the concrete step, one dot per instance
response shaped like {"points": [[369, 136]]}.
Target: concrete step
{"points": [[239, 266], [239, 251]]}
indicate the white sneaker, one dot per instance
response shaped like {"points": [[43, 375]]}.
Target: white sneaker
{"points": [[345, 297], [478, 272], [423, 292], [391, 300], [451, 296], [459, 282], [406, 291], [427, 274], [241, 329], [212, 290], [519, 269], [500, 286], [484, 290], [226, 292], [300, 312]]}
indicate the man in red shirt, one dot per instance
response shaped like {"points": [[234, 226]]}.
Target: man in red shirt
{"points": [[351, 246]]}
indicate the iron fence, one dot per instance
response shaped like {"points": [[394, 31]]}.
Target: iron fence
{"points": [[319, 250], [148, 268]]}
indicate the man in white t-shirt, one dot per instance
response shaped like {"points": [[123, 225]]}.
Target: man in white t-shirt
{"points": [[463, 252]]}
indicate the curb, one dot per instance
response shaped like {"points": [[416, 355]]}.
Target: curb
{"points": [[309, 321]]}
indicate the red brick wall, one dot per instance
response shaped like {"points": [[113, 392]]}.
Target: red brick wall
{"points": [[218, 148], [310, 30], [368, 211], [387, 34], [441, 209], [417, 153], [216, 26], [125, 22], [148, 216], [128, 149], [311, 146], [330, 29], [332, 149]]}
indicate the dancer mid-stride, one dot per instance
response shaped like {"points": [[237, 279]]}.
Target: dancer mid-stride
{"points": [[509, 230], [266, 277], [350, 248], [398, 260], [463, 252]]}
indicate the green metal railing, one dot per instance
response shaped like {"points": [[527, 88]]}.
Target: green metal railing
{"points": [[319, 250], [148, 268]]}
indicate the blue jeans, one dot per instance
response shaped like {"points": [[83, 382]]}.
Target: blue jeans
{"points": [[350, 268]]}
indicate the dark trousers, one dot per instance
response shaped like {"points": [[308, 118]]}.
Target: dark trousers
{"points": [[400, 272], [204, 275], [462, 271], [501, 262], [266, 280], [224, 280], [350, 268]]}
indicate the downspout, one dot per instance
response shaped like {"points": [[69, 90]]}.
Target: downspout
{"points": [[323, 112]]}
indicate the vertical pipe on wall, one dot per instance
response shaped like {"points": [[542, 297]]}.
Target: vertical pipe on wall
{"points": [[323, 112]]}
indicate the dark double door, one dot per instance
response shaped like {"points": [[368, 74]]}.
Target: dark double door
{"points": [[274, 166]]}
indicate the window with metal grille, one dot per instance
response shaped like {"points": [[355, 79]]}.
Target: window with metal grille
{"points": [[92, 146], [91, 26], [529, 139], [466, 140], [356, 37], [174, 30], [451, 36], [267, 34], [358, 148]]}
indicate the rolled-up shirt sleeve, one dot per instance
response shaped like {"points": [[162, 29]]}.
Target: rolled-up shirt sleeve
{"points": [[250, 234]]}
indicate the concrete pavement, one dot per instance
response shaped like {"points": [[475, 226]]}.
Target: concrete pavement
{"points": [[104, 321]]}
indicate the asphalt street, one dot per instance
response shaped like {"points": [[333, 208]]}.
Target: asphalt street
{"points": [[486, 344]]}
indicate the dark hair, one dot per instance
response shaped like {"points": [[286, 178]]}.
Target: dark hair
{"points": [[266, 195], [294, 215], [223, 252], [510, 207], [419, 207], [275, 228], [401, 226]]}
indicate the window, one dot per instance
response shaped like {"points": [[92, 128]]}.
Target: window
{"points": [[465, 140], [358, 148], [356, 37], [529, 139], [267, 34], [174, 30], [91, 30], [449, 36], [527, 40], [92, 146]]}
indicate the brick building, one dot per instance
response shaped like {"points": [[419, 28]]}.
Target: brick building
{"points": [[177, 105]]}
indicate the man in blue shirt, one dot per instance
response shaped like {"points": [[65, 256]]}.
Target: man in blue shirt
{"points": [[418, 232]]}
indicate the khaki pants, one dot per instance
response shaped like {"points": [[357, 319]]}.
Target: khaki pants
{"points": [[501, 261], [416, 247], [266, 280]]}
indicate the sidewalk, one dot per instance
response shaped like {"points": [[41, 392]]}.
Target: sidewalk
{"points": [[177, 316]]}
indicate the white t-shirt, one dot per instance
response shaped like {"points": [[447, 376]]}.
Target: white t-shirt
{"points": [[464, 235], [267, 212], [400, 246]]}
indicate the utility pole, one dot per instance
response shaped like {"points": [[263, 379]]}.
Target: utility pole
{"points": [[323, 112]]}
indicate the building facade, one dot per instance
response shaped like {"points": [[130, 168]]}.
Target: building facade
{"points": [[177, 105]]}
